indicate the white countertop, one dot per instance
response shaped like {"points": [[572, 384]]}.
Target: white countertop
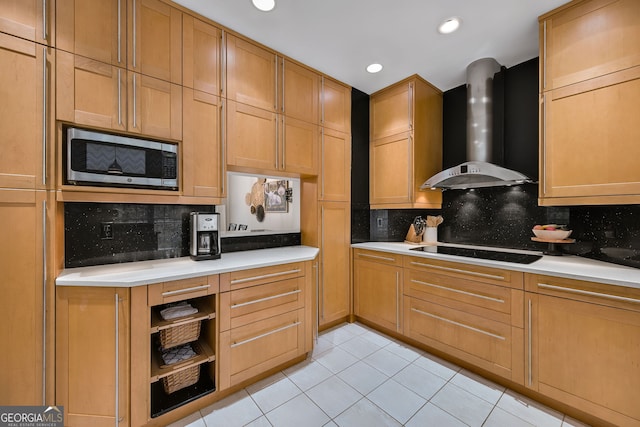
{"points": [[154, 271], [567, 266]]}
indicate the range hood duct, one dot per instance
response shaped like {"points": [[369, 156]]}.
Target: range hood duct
{"points": [[478, 171]]}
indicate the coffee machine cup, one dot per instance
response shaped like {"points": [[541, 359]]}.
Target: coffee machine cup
{"points": [[205, 239]]}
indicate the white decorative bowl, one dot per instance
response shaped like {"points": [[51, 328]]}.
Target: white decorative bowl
{"points": [[552, 234]]}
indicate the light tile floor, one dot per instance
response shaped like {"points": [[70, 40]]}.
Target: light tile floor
{"points": [[359, 377]]}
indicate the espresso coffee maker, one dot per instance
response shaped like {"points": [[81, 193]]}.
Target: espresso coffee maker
{"points": [[205, 240]]}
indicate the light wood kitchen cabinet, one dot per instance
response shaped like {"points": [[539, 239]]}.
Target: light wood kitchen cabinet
{"points": [[265, 141], [300, 94], [406, 144], [335, 166], [588, 103], [26, 119], [334, 302], [203, 164], [96, 30], [470, 312], [265, 320], [583, 346], [26, 218], [92, 355], [154, 36], [251, 74], [588, 39], [202, 56], [97, 94], [377, 288], [32, 20], [335, 105]]}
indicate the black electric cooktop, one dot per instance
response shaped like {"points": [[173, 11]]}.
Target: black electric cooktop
{"points": [[515, 257]]}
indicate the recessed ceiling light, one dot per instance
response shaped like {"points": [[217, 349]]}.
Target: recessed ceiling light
{"points": [[264, 5], [374, 68], [449, 25]]}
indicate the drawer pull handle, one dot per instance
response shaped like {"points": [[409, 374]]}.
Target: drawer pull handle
{"points": [[185, 290], [588, 293], [458, 270], [265, 276], [462, 325], [266, 334], [255, 301], [377, 257], [446, 288]]}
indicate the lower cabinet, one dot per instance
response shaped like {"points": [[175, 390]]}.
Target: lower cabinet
{"points": [[377, 291], [92, 355], [583, 346], [265, 320]]}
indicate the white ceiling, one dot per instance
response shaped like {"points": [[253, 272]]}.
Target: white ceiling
{"points": [[341, 37]]}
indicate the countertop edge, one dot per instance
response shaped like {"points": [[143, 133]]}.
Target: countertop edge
{"points": [[566, 266], [140, 273]]}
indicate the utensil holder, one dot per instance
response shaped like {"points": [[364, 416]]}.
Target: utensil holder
{"points": [[430, 235]]}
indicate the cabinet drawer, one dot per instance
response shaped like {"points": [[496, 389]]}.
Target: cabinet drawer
{"points": [[377, 257], [597, 293], [477, 273], [258, 276], [252, 349], [178, 290], [242, 306], [494, 346], [498, 303]]}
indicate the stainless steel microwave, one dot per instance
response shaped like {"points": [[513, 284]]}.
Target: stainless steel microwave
{"points": [[95, 158]]}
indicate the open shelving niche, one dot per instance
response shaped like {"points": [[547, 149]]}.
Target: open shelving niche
{"points": [[204, 346]]}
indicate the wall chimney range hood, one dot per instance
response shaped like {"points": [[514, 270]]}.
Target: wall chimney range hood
{"points": [[478, 171]]}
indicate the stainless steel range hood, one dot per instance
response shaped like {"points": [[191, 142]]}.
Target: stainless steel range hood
{"points": [[478, 171]]}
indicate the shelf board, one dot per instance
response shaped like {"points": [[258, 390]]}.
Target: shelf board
{"points": [[159, 370], [205, 312]]}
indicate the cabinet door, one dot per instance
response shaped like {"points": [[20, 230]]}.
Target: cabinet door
{"points": [[203, 166], [33, 20], [25, 114], [201, 55], [334, 303], [92, 355], [392, 111], [589, 141], [299, 146], [155, 107], [590, 39], [155, 40], [300, 92], [251, 74], [251, 140], [585, 355], [377, 293], [335, 105], [335, 164], [90, 92], [391, 170], [22, 215], [95, 30]]}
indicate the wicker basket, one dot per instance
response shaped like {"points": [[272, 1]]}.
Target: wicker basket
{"points": [[178, 335], [181, 379]]}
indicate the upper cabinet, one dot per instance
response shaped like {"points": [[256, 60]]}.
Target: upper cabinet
{"points": [[154, 37], [405, 145], [335, 105], [588, 39], [32, 20], [299, 91], [27, 119], [201, 56], [590, 84], [95, 30]]}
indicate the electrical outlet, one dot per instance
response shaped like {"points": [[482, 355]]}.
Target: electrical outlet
{"points": [[106, 230], [380, 223]]}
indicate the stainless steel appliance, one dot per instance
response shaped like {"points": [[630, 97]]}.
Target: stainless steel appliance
{"points": [[205, 239], [95, 158]]}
